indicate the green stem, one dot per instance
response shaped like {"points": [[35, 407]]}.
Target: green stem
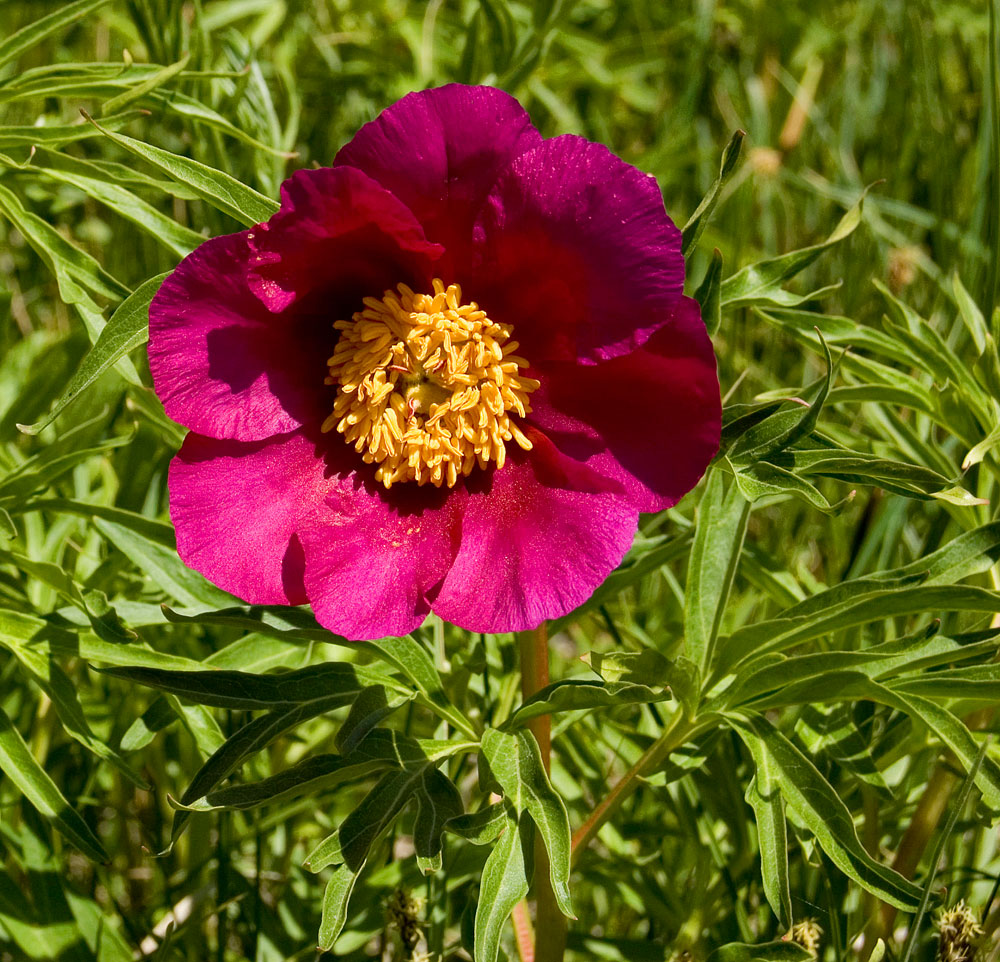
{"points": [[550, 923], [674, 735]]}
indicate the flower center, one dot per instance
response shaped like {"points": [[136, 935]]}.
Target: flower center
{"points": [[427, 386]]}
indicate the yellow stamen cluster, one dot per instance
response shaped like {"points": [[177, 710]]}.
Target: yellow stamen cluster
{"points": [[428, 386]]}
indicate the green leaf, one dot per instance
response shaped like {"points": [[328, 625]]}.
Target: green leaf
{"points": [[933, 354], [164, 567], [312, 775], [438, 802], [370, 707], [782, 951], [127, 329], [768, 806], [21, 634], [912, 480], [721, 527], [247, 741], [766, 480], [819, 807], [970, 313], [682, 676], [71, 265], [157, 79], [803, 624], [579, 694], [335, 899], [516, 763], [19, 765], [699, 219], [411, 658], [223, 192], [647, 667], [857, 600], [761, 283], [36, 31], [504, 883], [94, 604], [159, 532], [377, 812], [709, 295], [975, 683], [53, 461], [850, 685], [782, 429], [77, 274], [952, 732], [248, 691], [58, 135], [773, 673], [94, 182], [959, 496], [482, 827], [978, 452]]}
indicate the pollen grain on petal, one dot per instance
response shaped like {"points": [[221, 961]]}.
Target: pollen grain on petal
{"points": [[428, 386]]}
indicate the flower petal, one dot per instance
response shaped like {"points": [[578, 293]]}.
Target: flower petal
{"points": [[440, 151], [536, 542], [375, 559], [650, 420], [288, 520], [340, 235], [237, 508], [221, 363], [574, 248]]}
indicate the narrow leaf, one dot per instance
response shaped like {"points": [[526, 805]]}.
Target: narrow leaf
{"points": [[217, 188], [335, 898], [821, 809], [504, 884], [35, 32], [516, 762], [127, 329], [768, 806], [580, 694], [721, 527], [696, 224], [19, 765]]}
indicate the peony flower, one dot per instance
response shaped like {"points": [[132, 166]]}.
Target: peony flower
{"points": [[448, 374]]}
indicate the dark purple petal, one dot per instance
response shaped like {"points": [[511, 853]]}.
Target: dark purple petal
{"points": [[222, 364], [237, 508], [535, 542], [576, 251], [649, 420], [440, 151], [338, 236]]}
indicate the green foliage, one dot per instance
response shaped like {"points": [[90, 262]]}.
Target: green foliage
{"points": [[776, 673]]}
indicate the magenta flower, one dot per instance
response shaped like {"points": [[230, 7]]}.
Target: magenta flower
{"points": [[446, 375]]}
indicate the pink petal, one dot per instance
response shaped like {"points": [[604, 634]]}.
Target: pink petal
{"points": [[375, 559], [440, 151], [649, 420], [576, 251], [237, 508], [537, 538], [340, 236], [221, 364], [288, 520]]}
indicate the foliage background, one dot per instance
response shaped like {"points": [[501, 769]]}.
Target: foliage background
{"points": [[833, 97]]}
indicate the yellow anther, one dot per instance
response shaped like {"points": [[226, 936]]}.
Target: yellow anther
{"points": [[428, 386]]}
